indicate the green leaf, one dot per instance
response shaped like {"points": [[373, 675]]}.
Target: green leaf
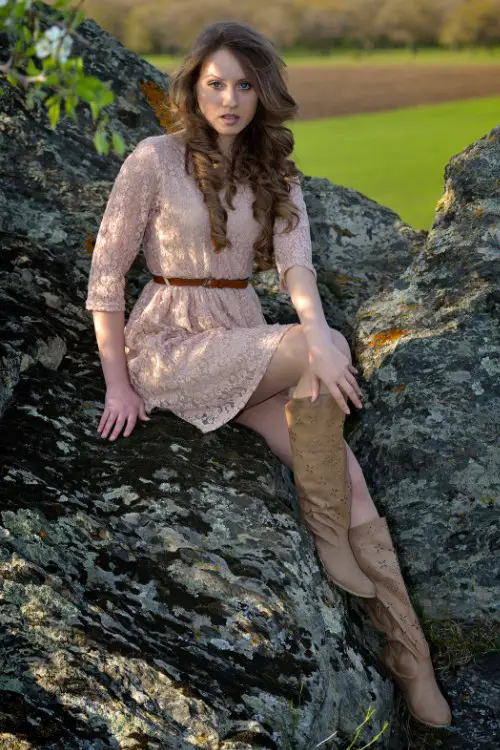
{"points": [[118, 143], [93, 83], [100, 141], [106, 97], [54, 112], [94, 108], [79, 17], [32, 70], [18, 10]]}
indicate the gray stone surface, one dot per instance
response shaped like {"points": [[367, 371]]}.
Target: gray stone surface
{"points": [[429, 350], [475, 693], [161, 591]]}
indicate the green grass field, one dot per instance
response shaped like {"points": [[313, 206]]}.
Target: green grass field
{"points": [[479, 56], [395, 157]]}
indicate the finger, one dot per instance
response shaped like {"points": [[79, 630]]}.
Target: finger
{"points": [[350, 392], [118, 427], [109, 424], [142, 412], [337, 395], [352, 380], [314, 387], [131, 422], [104, 418]]}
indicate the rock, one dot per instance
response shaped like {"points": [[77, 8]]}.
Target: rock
{"points": [[475, 693], [160, 589], [429, 350]]}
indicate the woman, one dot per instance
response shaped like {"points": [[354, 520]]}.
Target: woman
{"points": [[196, 342]]}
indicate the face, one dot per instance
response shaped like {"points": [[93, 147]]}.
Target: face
{"points": [[223, 88]]}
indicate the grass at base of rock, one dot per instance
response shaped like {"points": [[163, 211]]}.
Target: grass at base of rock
{"points": [[454, 644]]}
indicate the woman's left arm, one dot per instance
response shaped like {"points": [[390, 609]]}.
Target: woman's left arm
{"points": [[304, 294], [328, 364]]}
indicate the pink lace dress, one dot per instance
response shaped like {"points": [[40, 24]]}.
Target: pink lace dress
{"points": [[198, 352]]}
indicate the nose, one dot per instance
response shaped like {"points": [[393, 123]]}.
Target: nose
{"points": [[230, 100]]}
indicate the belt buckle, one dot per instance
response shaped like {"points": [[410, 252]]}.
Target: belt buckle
{"points": [[206, 282]]}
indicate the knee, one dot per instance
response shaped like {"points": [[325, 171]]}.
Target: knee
{"points": [[338, 339], [341, 343]]}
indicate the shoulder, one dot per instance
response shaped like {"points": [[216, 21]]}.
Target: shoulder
{"points": [[161, 144], [155, 149], [149, 155]]}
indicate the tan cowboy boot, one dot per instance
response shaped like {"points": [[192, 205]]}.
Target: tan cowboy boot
{"points": [[322, 480], [407, 653]]}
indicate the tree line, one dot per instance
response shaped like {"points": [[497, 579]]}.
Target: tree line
{"points": [[321, 26]]}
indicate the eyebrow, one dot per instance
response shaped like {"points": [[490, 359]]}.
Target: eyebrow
{"points": [[223, 79]]}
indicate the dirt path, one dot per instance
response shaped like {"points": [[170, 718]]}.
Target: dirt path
{"points": [[328, 91]]}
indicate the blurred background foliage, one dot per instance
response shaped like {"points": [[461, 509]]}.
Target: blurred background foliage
{"points": [[169, 26]]}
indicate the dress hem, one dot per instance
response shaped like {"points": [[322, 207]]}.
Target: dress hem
{"points": [[224, 419]]}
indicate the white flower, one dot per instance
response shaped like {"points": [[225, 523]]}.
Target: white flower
{"points": [[54, 33], [49, 43], [42, 48], [65, 49]]}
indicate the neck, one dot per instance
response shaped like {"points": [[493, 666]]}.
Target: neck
{"points": [[226, 146]]}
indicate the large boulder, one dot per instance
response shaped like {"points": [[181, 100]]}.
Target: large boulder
{"points": [[161, 591]]}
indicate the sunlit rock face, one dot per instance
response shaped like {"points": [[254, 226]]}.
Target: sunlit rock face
{"points": [[162, 591]]}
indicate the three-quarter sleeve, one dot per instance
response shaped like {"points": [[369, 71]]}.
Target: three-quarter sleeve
{"points": [[122, 228], [294, 248]]}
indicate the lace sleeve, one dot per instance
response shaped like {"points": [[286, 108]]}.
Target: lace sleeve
{"points": [[293, 249], [122, 228]]}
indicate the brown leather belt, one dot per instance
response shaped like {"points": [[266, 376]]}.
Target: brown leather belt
{"points": [[176, 281]]}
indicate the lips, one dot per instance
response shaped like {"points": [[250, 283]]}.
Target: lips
{"points": [[230, 117]]}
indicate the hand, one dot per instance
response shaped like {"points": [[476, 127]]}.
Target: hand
{"points": [[329, 365], [122, 405]]}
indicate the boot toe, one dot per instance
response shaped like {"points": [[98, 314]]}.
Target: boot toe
{"points": [[425, 700], [343, 570], [435, 711]]}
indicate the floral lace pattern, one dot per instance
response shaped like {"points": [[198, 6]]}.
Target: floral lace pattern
{"points": [[199, 352], [392, 611], [407, 653]]}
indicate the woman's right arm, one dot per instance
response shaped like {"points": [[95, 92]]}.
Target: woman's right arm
{"points": [[122, 403], [130, 203], [109, 332]]}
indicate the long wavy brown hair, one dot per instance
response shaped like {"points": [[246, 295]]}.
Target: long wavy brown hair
{"points": [[260, 151]]}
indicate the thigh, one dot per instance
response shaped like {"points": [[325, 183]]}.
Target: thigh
{"points": [[268, 420], [286, 367], [260, 414]]}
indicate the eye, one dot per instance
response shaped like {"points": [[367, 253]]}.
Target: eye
{"points": [[247, 83]]}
